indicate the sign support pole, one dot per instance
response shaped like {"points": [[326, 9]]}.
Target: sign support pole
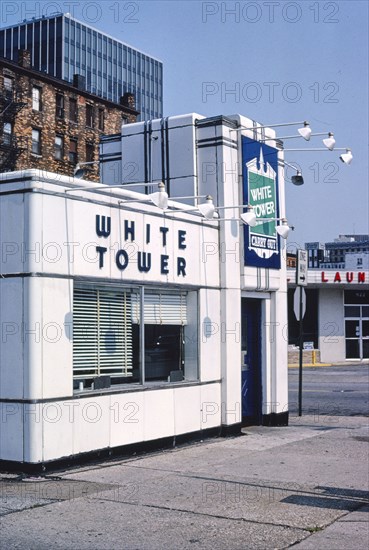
{"points": [[300, 353], [301, 280]]}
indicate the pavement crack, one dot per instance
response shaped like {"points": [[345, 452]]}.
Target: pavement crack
{"points": [[204, 514]]}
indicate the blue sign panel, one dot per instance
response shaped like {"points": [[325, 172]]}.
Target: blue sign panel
{"points": [[260, 190]]}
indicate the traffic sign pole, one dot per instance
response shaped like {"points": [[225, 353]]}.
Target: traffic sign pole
{"points": [[300, 354], [301, 281]]}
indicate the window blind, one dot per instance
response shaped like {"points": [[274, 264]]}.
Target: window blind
{"points": [[161, 308], [102, 333]]}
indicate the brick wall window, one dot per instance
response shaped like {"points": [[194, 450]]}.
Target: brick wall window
{"points": [[59, 106], [90, 149], [101, 119], [36, 98], [59, 147], [124, 120], [73, 151], [36, 141], [89, 116], [7, 133], [73, 110]]}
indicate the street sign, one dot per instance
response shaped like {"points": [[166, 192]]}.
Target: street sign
{"points": [[302, 268], [309, 345], [296, 302]]}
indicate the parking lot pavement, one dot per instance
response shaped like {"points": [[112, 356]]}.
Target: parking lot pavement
{"points": [[270, 488]]}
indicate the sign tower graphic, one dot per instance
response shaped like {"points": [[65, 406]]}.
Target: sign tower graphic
{"points": [[261, 192]]}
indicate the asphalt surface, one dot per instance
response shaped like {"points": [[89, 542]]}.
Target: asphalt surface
{"points": [[340, 390], [304, 485]]}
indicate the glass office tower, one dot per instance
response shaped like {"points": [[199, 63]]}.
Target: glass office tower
{"points": [[63, 46]]}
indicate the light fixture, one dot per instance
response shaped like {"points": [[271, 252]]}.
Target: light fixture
{"points": [[79, 171], [329, 142], [248, 217], [297, 179], [305, 132], [283, 229], [261, 126], [206, 208], [158, 198], [346, 157]]}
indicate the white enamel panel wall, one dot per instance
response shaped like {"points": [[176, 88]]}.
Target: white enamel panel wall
{"points": [[11, 349], [331, 325], [210, 335]]}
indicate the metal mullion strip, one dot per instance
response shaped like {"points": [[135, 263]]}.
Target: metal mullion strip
{"points": [[40, 50], [142, 335], [54, 48], [33, 44], [47, 44], [98, 331], [125, 332]]}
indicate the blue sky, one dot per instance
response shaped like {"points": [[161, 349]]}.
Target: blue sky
{"points": [[273, 61]]}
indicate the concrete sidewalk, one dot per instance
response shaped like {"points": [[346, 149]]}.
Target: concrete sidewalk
{"points": [[305, 485]]}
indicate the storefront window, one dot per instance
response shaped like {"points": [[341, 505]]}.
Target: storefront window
{"points": [[357, 324], [107, 336]]}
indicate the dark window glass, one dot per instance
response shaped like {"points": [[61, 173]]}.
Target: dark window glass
{"points": [[356, 296], [59, 106], [163, 351], [89, 152], [29, 37], [51, 67], [352, 349], [36, 141], [58, 60], [36, 50], [73, 110], [2, 53], [15, 45], [352, 311], [365, 349], [7, 133], [73, 151], [8, 87], [352, 329], [101, 119], [44, 43], [59, 147], [8, 44], [89, 116]]}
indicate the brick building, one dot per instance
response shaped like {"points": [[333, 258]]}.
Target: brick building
{"points": [[50, 124]]}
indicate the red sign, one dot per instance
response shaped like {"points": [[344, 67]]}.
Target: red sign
{"points": [[349, 277]]}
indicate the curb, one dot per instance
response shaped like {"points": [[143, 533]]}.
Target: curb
{"points": [[347, 364], [296, 365]]}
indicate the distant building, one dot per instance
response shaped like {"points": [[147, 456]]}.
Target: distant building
{"points": [[291, 260], [332, 255], [61, 46], [49, 124], [337, 299]]}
